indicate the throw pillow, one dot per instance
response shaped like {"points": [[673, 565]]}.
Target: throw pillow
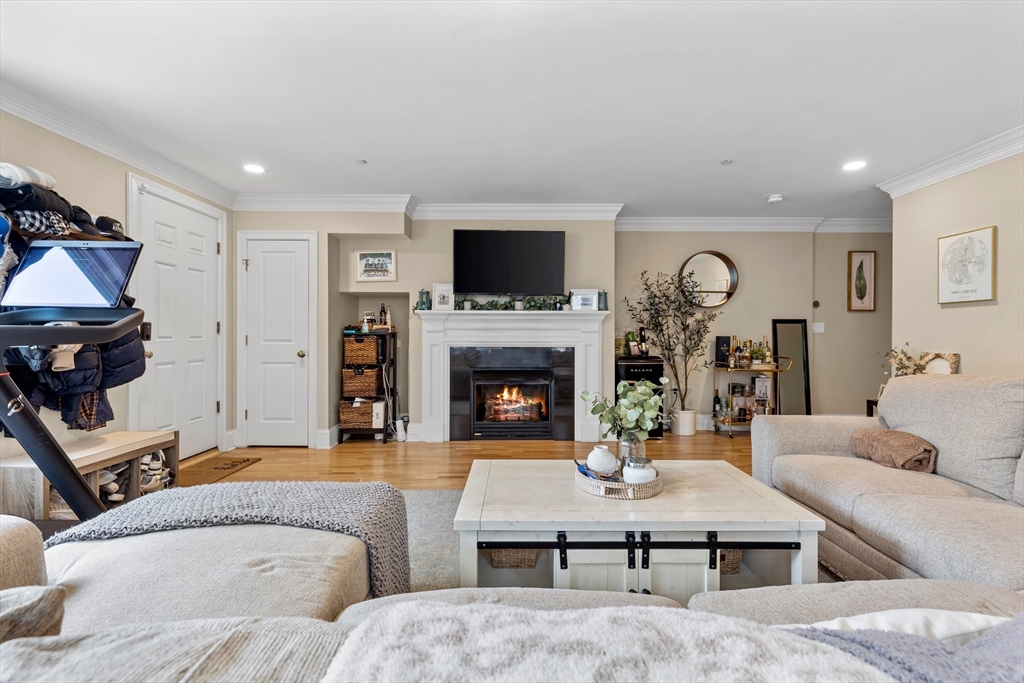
{"points": [[31, 612], [893, 448], [952, 628]]}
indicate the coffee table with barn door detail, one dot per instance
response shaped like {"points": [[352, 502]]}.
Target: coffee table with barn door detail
{"points": [[669, 545]]}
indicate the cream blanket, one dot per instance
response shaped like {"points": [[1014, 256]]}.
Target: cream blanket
{"points": [[431, 641]]}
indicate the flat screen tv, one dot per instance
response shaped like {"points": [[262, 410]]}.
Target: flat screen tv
{"points": [[516, 262]]}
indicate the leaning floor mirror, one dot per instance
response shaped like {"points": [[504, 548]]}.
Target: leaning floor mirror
{"points": [[793, 389]]}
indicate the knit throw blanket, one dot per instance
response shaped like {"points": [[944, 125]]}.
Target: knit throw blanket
{"points": [[996, 655], [373, 512]]}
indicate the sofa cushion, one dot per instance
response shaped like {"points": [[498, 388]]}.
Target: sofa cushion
{"points": [[975, 422], [831, 485], [232, 571], [21, 559], [1018, 482], [30, 612], [818, 602], [967, 539]]}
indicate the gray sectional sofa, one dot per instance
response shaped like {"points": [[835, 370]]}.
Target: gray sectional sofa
{"points": [[964, 522]]}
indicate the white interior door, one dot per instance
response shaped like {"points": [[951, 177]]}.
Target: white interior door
{"points": [[277, 341], [678, 574], [597, 570], [177, 287]]}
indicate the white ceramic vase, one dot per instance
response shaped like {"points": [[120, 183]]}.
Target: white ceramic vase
{"points": [[684, 422], [602, 460]]}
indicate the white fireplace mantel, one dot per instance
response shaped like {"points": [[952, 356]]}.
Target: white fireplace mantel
{"points": [[442, 330]]}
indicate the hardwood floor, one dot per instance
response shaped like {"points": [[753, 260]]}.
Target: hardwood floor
{"points": [[446, 465]]}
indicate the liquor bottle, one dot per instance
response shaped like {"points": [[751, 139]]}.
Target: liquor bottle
{"points": [[735, 345], [642, 341], [383, 314], [732, 358], [716, 405], [389, 317]]}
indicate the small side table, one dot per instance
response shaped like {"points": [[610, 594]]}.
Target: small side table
{"points": [[872, 404]]}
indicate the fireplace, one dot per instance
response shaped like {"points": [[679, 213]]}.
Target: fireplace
{"points": [[512, 393], [512, 404]]}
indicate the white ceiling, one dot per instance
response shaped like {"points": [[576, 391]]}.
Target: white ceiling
{"points": [[538, 102]]}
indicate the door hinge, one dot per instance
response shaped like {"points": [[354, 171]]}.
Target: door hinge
{"points": [[246, 414], [218, 406], [218, 327], [218, 247], [246, 340], [246, 262]]}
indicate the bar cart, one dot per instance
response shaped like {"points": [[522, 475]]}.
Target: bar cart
{"points": [[779, 365]]}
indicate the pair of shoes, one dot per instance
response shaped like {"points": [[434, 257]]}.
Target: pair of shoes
{"points": [[151, 484]]}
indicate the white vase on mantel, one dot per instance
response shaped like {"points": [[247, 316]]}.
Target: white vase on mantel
{"points": [[684, 422]]}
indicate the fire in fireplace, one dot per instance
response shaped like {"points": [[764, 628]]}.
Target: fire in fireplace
{"points": [[518, 403]]}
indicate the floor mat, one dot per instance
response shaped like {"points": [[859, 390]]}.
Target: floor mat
{"points": [[212, 469]]}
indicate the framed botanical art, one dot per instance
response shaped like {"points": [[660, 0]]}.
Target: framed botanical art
{"points": [[967, 266], [376, 266], [860, 281]]}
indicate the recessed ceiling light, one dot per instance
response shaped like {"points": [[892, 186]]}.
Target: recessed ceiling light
{"points": [[726, 162], [772, 198], [854, 165], [361, 161], [253, 168]]}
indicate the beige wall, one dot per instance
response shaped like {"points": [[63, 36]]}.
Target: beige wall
{"points": [[426, 259], [780, 275], [847, 366], [97, 183], [989, 335], [775, 281]]}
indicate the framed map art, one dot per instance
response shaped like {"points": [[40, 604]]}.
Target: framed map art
{"points": [[967, 266]]}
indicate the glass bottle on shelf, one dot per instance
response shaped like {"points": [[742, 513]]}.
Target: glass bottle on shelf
{"points": [[383, 314], [732, 358], [744, 356], [716, 405]]}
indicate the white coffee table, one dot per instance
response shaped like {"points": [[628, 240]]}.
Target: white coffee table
{"points": [[667, 545]]}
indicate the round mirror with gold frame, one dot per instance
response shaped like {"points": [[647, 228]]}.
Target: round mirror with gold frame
{"points": [[715, 274]]}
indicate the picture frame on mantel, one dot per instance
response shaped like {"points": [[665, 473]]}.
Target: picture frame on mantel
{"points": [[444, 297], [861, 280], [376, 266], [967, 266]]}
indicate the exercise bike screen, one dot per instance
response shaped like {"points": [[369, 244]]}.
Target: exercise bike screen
{"points": [[87, 274]]}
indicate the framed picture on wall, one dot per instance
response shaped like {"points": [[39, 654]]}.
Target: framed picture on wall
{"points": [[967, 266], [376, 266], [444, 297], [860, 281]]}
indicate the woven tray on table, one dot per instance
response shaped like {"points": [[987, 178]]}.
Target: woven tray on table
{"points": [[618, 490], [357, 382]]}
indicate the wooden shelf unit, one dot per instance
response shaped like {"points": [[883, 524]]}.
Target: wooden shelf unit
{"points": [[388, 366]]}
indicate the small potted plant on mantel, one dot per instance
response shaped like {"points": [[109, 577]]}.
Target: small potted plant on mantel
{"points": [[670, 309]]}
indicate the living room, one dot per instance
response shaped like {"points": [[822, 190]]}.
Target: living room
{"points": [[374, 276]]}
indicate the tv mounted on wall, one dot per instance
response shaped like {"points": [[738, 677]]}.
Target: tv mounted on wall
{"points": [[516, 262]]}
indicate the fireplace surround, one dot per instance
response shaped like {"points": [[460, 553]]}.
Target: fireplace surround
{"points": [[580, 331]]}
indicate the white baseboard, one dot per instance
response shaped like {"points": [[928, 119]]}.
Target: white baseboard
{"points": [[229, 442], [417, 431], [326, 439]]}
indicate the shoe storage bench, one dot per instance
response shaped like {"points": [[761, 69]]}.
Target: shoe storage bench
{"points": [[25, 492]]}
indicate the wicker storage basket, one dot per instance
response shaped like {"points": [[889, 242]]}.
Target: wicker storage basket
{"points": [[729, 561], [514, 558], [356, 416], [619, 490], [360, 350], [357, 382]]}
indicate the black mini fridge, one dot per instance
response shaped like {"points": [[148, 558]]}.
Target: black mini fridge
{"points": [[636, 368]]}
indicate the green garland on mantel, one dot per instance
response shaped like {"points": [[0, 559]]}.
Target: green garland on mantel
{"points": [[530, 303]]}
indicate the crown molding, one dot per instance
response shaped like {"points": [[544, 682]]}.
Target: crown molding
{"points": [[518, 212], [88, 133], [717, 224], [986, 152], [397, 203], [836, 225]]}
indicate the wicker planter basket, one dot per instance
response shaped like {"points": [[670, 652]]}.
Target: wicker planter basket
{"points": [[357, 382], [619, 490], [514, 558], [356, 416], [360, 350], [729, 561]]}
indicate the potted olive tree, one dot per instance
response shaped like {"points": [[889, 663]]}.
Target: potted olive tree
{"points": [[669, 308]]}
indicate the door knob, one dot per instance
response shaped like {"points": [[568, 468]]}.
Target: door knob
{"points": [[148, 354], [301, 354]]}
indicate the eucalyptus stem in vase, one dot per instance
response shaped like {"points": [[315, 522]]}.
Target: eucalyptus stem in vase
{"points": [[631, 418]]}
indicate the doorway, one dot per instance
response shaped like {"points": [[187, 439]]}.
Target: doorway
{"points": [[277, 323], [180, 282]]}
